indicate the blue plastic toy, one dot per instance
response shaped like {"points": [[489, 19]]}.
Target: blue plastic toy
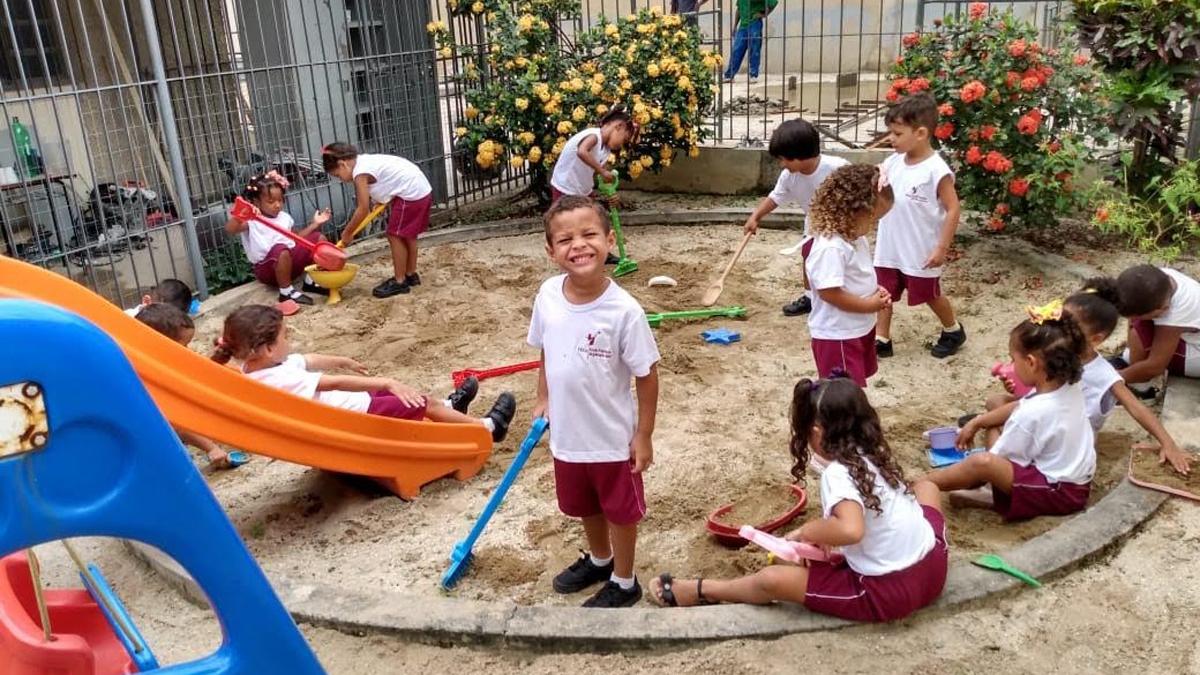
{"points": [[939, 458], [721, 336], [97, 586], [460, 558], [194, 307], [102, 462]]}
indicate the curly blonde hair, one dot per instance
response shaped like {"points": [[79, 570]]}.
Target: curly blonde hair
{"points": [[844, 197]]}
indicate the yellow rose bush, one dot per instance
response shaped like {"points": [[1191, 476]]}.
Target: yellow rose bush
{"points": [[532, 87]]}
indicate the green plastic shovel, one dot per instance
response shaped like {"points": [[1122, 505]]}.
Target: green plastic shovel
{"points": [[625, 265], [733, 311], [994, 562]]}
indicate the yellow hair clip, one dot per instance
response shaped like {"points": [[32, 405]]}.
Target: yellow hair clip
{"points": [[1051, 311]]}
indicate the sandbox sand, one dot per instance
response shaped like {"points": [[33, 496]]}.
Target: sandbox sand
{"points": [[722, 423]]}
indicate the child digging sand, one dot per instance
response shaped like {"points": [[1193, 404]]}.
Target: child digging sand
{"points": [[893, 536], [257, 336], [594, 338], [797, 147]]}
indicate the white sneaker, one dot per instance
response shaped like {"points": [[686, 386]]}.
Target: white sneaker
{"points": [[754, 80]]}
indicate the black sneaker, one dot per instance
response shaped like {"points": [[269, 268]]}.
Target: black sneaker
{"points": [[461, 398], [802, 305], [296, 297], [1117, 362], [413, 279], [313, 288], [612, 596], [581, 574], [390, 287], [611, 259], [949, 343], [883, 349], [501, 415]]}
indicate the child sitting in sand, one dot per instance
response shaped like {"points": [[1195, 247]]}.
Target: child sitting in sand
{"points": [[1043, 460], [893, 536], [169, 291], [278, 261], [257, 336], [169, 320], [796, 145], [595, 339], [845, 209]]}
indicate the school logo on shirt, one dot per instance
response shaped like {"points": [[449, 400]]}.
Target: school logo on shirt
{"points": [[914, 195], [595, 346]]}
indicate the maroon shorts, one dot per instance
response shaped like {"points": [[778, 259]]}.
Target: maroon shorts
{"points": [[591, 488], [385, 404], [407, 219], [264, 270], [921, 290], [1145, 332], [855, 357], [1033, 496], [839, 591]]}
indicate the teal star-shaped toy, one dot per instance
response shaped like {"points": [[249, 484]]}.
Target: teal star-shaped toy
{"points": [[721, 336]]}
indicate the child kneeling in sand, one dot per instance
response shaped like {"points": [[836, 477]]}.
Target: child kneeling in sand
{"points": [[893, 536]]}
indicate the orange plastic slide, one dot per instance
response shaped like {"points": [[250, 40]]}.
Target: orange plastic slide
{"points": [[197, 394]]}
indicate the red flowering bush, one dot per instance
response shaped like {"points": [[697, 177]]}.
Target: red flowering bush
{"points": [[1015, 117]]}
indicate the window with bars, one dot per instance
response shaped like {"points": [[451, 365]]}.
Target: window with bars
{"points": [[28, 20]]}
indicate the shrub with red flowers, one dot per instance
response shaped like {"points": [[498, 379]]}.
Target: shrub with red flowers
{"points": [[1015, 117]]}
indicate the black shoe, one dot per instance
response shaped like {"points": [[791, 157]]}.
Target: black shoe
{"points": [[413, 279], [611, 596], [461, 398], [949, 343], [296, 297], [1147, 394], [966, 419], [1117, 362], [883, 349], [802, 305], [390, 287], [611, 260], [581, 574], [501, 415], [313, 288]]}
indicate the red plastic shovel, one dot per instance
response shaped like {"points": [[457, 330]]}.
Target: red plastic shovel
{"points": [[484, 373], [326, 255]]}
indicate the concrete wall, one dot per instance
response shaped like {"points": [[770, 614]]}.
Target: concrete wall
{"points": [[731, 171]]}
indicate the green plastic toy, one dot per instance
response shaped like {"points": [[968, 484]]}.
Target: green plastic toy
{"points": [[994, 562], [625, 265], [733, 311]]}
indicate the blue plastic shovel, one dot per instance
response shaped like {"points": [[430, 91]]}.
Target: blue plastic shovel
{"points": [[460, 558]]}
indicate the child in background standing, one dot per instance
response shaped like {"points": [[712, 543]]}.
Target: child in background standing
{"points": [[257, 336], [594, 338], [585, 154], [893, 535], [385, 178], [168, 291], [847, 296], [277, 260], [915, 236], [1043, 460], [796, 145]]}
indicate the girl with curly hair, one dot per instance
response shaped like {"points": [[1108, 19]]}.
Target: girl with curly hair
{"points": [[892, 536], [841, 272], [1040, 461]]}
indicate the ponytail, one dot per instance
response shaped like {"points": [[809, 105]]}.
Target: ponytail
{"points": [[246, 330], [335, 152]]}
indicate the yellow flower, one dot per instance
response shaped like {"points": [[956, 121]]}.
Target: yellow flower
{"points": [[626, 85], [644, 28], [551, 108], [526, 137], [471, 112], [549, 160], [622, 72], [522, 62], [544, 95], [611, 31], [435, 27], [652, 70], [525, 22], [445, 52], [685, 82], [601, 109], [635, 170], [678, 132], [656, 112], [681, 35], [535, 154], [576, 84], [564, 127], [597, 88], [485, 159], [666, 152], [516, 161], [671, 20], [453, 4], [639, 107], [477, 7], [694, 151], [642, 118], [495, 49], [666, 162], [579, 114], [487, 147], [598, 78], [675, 122], [459, 132], [646, 161], [491, 16], [709, 62], [521, 103]]}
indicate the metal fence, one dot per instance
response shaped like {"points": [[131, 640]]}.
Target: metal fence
{"points": [[144, 117]]}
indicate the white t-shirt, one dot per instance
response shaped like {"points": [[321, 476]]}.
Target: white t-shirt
{"points": [[797, 188], [1184, 310], [258, 239], [1051, 432], [837, 263], [133, 311], [573, 177], [910, 230], [1098, 379], [293, 376], [394, 177], [894, 539], [592, 352]]}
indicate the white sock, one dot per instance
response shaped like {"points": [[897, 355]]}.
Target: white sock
{"points": [[886, 341], [287, 291], [808, 294], [447, 403], [599, 562], [487, 423], [1125, 354], [309, 280], [625, 584], [952, 329]]}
